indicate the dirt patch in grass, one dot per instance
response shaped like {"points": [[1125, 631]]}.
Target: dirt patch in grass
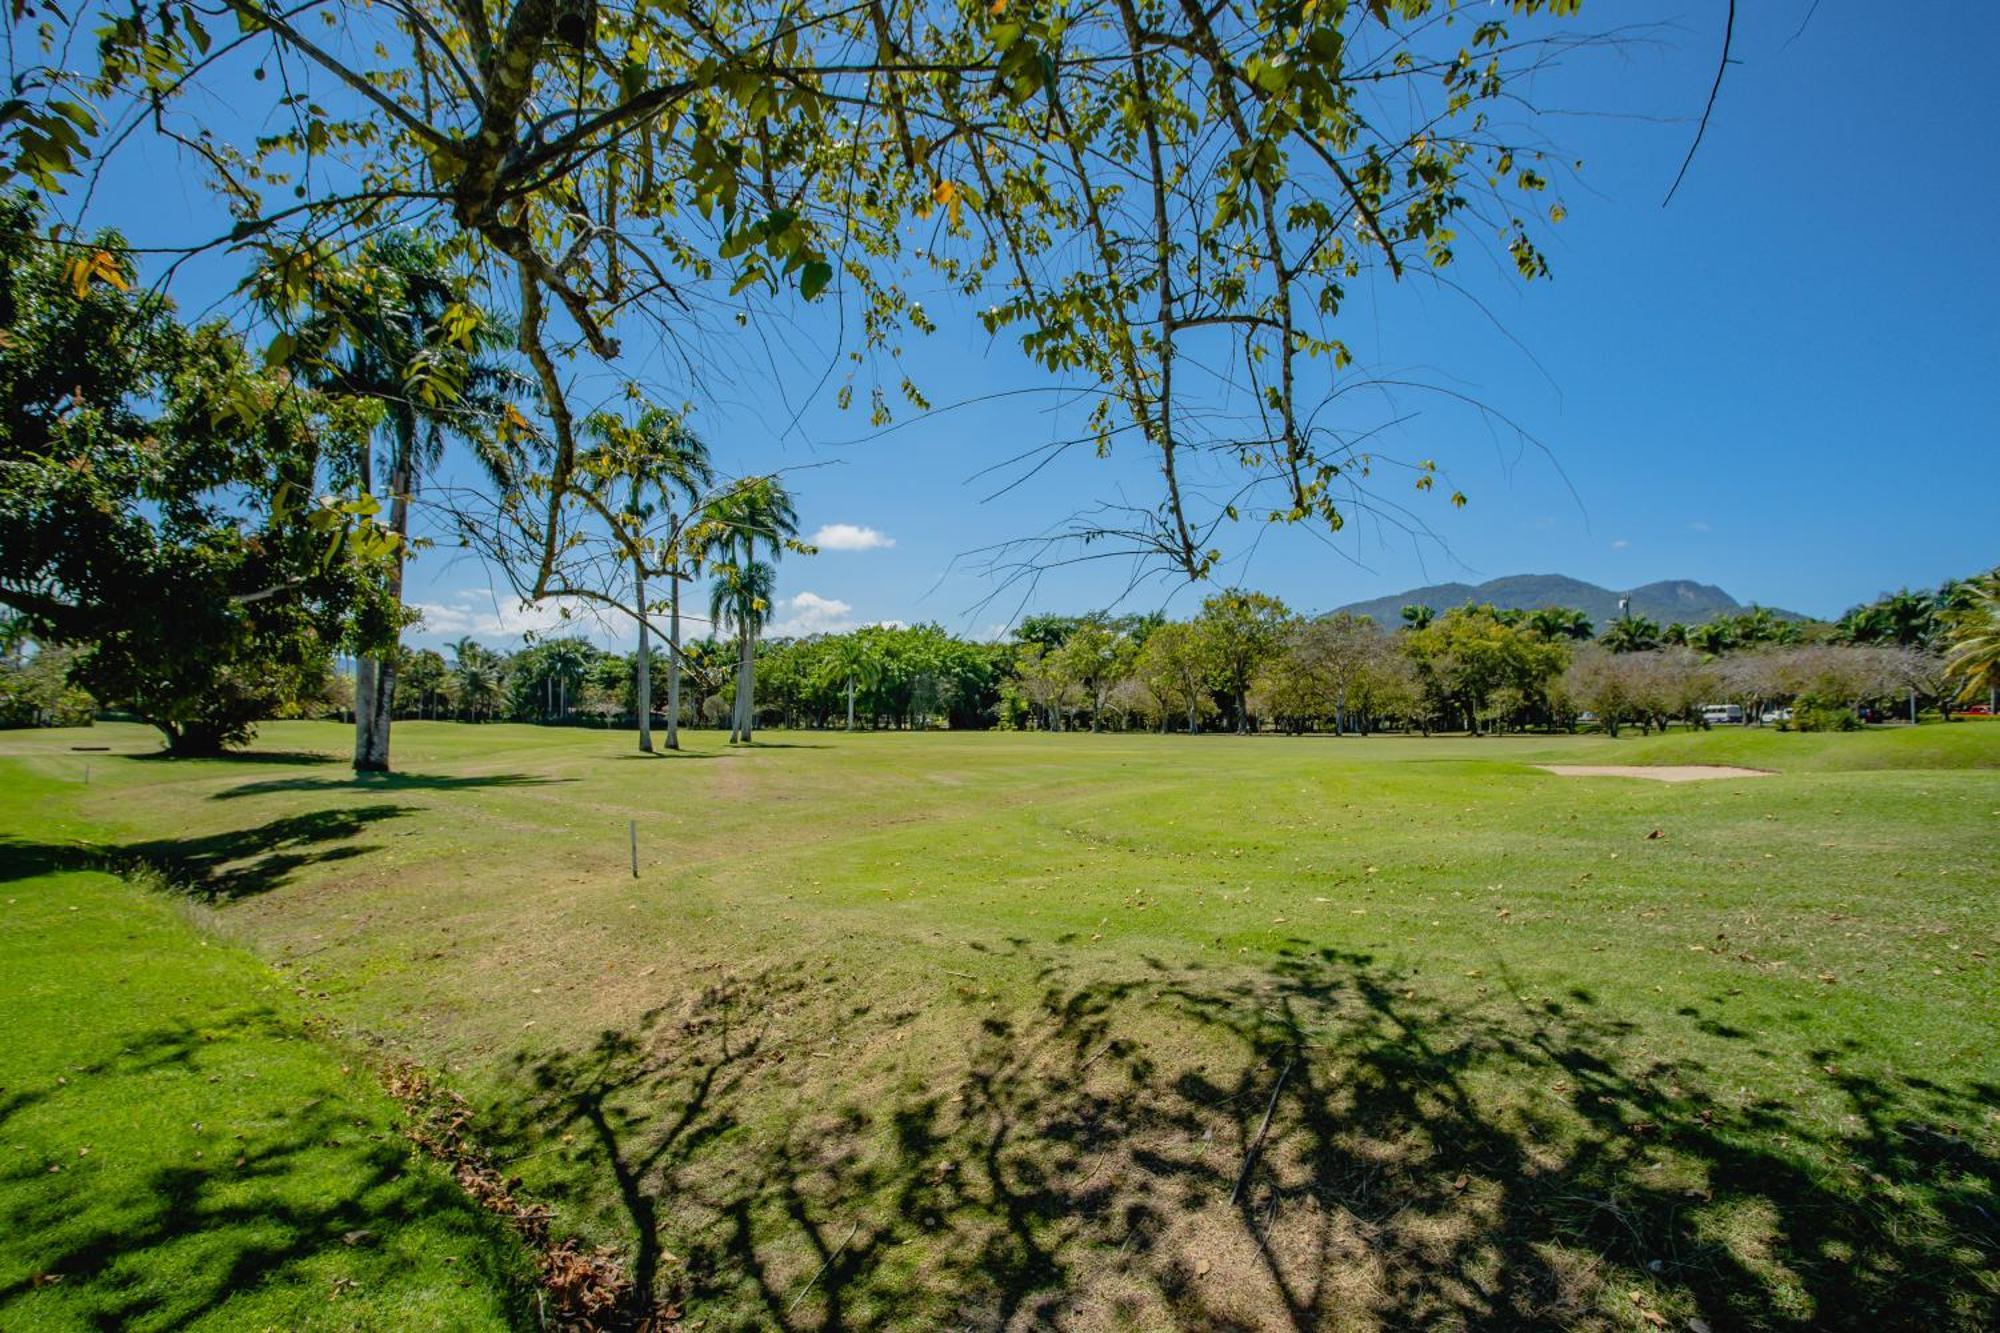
{"points": [[1657, 772]]}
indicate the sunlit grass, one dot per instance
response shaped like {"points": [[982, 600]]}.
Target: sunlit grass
{"points": [[912, 1030]]}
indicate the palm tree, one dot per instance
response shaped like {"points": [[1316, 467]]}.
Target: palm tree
{"points": [[1714, 638], [1631, 634], [476, 678], [669, 470], [1675, 635], [1418, 616], [758, 513], [741, 600], [856, 659], [1559, 622], [566, 660], [396, 326], [1974, 626]]}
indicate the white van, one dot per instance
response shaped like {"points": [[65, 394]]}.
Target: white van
{"points": [[1717, 715]]}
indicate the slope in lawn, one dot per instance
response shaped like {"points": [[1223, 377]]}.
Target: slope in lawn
{"points": [[177, 1151]]}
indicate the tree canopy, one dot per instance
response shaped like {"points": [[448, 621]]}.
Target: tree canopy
{"points": [[167, 504], [1145, 195]]}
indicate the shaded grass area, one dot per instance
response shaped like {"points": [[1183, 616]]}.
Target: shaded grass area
{"points": [[1104, 1159], [939, 1031], [176, 1151]]}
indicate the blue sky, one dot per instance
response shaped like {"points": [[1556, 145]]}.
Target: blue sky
{"points": [[1784, 383]]}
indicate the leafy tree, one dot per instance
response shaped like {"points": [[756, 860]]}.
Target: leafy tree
{"points": [[1324, 668], [1418, 616], [424, 675], [1096, 656], [1046, 682], [35, 689], [1231, 173], [1242, 630], [166, 505], [1047, 630], [1467, 657], [1603, 682]]}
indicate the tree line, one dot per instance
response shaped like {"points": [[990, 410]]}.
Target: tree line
{"points": [[1246, 663]]}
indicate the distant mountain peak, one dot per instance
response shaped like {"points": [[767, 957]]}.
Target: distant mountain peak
{"points": [[1666, 601]]}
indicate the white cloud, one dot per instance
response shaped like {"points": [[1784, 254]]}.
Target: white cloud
{"points": [[809, 613], [851, 537], [1620, 544], [1701, 525], [486, 616]]}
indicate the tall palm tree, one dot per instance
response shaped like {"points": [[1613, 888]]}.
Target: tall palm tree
{"points": [[397, 326], [1418, 616], [741, 600], [566, 661], [757, 514], [856, 660], [668, 469]]}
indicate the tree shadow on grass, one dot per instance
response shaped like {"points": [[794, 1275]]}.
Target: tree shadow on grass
{"points": [[388, 782], [664, 753], [214, 867], [273, 1195], [163, 756], [1515, 1162]]}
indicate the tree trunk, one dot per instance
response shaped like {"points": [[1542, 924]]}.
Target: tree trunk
{"points": [[643, 685], [375, 681], [850, 703], [674, 665], [739, 722]]}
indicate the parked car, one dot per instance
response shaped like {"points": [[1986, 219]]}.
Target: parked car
{"points": [[1778, 715], [1718, 715]]}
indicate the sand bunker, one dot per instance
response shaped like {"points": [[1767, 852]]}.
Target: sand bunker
{"points": [[1657, 772]]}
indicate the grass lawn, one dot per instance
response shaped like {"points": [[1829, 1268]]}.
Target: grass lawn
{"points": [[922, 1031], [177, 1152]]}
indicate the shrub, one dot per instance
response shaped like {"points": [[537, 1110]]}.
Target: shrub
{"points": [[1818, 715]]}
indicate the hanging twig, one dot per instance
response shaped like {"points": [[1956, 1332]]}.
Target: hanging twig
{"points": [[1728, 33]]}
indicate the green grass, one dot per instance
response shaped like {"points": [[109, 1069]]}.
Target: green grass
{"points": [[177, 1152], [939, 1030]]}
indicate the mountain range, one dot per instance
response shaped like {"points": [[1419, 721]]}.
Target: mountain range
{"points": [[1666, 601]]}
